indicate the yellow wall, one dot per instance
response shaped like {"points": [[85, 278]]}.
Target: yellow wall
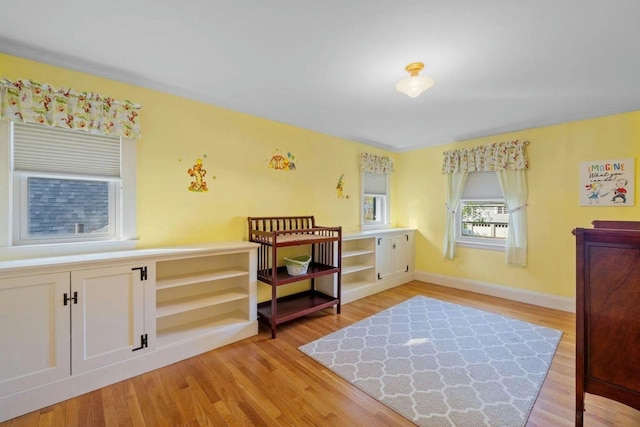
{"points": [[177, 131], [555, 153]]}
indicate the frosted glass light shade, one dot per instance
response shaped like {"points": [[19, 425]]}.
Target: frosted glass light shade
{"points": [[413, 86]]}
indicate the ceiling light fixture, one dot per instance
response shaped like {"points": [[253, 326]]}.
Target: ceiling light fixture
{"points": [[413, 86]]}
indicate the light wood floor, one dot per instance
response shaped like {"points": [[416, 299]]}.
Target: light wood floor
{"points": [[265, 382]]}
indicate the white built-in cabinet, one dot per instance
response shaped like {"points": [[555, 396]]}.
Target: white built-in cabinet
{"points": [[393, 255], [374, 261], [35, 343], [74, 324], [61, 324]]}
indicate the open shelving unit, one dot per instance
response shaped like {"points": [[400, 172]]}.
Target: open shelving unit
{"points": [[358, 264], [201, 295]]}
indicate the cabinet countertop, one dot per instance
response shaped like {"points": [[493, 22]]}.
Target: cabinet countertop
{"points": [[132, 255], [375, 232]]}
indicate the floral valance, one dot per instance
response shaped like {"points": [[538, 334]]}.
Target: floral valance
{"points": [[376, 164], [494, 157], [31, 102]]}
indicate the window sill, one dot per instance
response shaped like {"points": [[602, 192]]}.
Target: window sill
{"points": [[501, 247]]}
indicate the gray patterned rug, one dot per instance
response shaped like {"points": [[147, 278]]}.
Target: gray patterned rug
{"points": [[443, 364]]}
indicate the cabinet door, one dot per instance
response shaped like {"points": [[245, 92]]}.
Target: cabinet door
{"points": [[34, 331], [401, 254], [384, 257], [107, 323]]}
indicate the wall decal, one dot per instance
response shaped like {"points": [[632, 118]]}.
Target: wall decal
{"points": [[340, 188], [197, 173], [607, 183], [282, 162]]}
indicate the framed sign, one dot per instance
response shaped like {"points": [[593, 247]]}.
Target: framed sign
{"points": [[607, 183]]}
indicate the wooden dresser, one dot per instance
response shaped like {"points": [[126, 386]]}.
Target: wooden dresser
{"points": [[608, 313]]}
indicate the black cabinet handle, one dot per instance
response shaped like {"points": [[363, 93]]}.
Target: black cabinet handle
{"points": [[74, 298]]}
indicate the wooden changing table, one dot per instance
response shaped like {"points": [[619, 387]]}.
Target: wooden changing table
{"points": [[274, 233]]}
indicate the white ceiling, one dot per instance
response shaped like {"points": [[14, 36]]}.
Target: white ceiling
{"points": [[331, 65]]}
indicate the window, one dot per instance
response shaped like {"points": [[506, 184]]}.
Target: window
{"points": [[66, 186], [482, 219], [375, 200]]}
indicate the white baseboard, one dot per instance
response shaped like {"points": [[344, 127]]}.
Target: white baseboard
{"points": [[514, 294]]}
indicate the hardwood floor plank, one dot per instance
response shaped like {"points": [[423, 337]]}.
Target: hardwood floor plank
{"points": [[90, 413], [203, 407], [252, 384], [174, 382], [133, 405], [71, 411], [46, 419], [58, 415], [195, 367], [217, 371], [152, 416], [225, 413], [109, 407], [259, 381]]}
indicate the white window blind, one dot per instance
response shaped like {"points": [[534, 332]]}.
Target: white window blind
{"points": [[375, 183], [39, 148], [482, 186]]}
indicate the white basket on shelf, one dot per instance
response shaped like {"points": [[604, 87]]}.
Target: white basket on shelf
{"points": [[298, 265]]}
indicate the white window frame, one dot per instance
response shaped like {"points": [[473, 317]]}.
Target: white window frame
{"points": [[20, 223], [385, 205], [123, 190], [479, 189]]}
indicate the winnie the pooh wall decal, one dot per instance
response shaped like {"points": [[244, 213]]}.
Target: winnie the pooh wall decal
{"points": [[340, 188], [281, 162], [197, 173]]}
